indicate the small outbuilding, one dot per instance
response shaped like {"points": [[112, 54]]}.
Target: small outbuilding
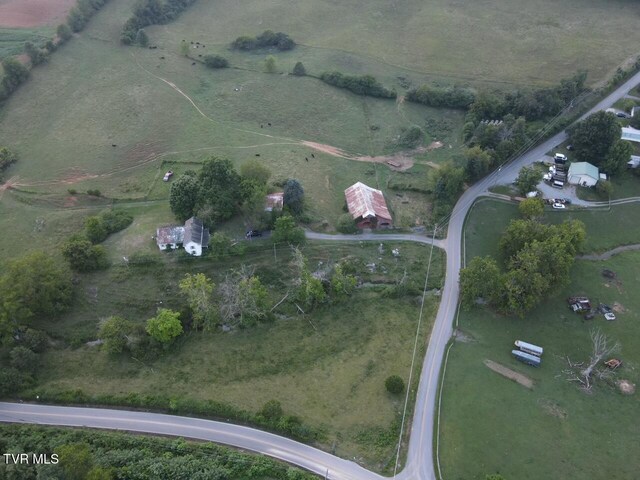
{"points": [[630, 134], [634, 162], [193, 236], [274, 201], [367, 206], [583, 174]]}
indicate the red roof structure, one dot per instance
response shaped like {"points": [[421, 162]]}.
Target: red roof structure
{"points": [[368, 204]]}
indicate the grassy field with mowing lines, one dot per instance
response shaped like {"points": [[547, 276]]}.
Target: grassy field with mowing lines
{"points": [[553, 430], [323, 368]]}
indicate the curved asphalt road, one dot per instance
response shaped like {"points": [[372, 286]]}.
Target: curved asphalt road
{"points": [[419, 464]]}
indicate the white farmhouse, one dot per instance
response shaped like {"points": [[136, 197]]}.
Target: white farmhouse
{"points": [[583, 174], [196, 237], [193, 236]]}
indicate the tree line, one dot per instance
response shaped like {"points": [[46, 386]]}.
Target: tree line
{"points": [[537, 259], [358, 84], [448, 97], [279, 40], [151, 12], [95, 455]]}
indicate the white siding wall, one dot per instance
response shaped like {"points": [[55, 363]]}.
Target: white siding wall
{"points": [[193, 248]]}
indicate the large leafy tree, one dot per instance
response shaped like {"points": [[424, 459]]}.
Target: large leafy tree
{"points": [[593, 137], [220, 192], [528, 179], [33, 286], [478, 163], [198, 290], [184, 195], [293, 197], [480, 279], [531, 208], [256, 171], [286, 231], [617, 158], [14, 74], [83, 256], [165, 326], [115, 333]]}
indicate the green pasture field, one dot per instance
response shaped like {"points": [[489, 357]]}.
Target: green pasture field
{"points": [[328, 367], [12, 40], [537, 42], [490, 424]]}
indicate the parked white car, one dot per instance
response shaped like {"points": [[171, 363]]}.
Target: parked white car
{"points": [[558, 206]]}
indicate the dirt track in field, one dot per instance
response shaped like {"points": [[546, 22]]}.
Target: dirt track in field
{"points": [[510, 374], [33, 13]]}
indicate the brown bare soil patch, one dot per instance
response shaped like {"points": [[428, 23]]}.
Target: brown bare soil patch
{"points": [[400, 161], [33, 13], [510, 374]]}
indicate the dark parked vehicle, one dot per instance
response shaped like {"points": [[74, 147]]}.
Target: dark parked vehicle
{"points": [[622, 115], [253, 233]]}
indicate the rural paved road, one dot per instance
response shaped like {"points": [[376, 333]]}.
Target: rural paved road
{"points": [[420, 457]]}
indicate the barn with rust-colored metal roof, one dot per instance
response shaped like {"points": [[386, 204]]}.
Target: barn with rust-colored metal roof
{"points": [[367, 206]]}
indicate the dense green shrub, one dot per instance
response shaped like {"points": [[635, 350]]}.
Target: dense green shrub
{"points": [[410, 137], [449, 97], [346, 224], [216, 61], [266, 39], [358, 84], [84, 256], [23, 359], [299, 70], [394, 384], [15, 74]]}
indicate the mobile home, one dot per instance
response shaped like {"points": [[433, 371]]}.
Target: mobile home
{"points": [[526, 358], [529, 348]]}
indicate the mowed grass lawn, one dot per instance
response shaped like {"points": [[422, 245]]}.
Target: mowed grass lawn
{"points": [[605, 229], [328, 367], [490, 424]]}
